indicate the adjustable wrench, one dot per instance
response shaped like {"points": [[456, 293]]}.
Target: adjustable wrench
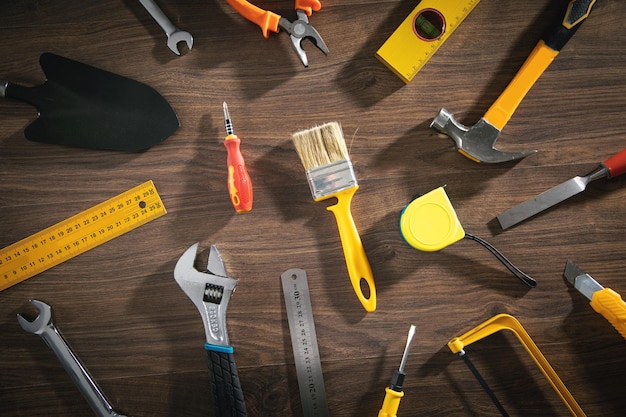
{"points": [[174, 34], [44, 327], [210, 291]]}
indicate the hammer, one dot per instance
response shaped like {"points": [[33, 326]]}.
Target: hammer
{"points": [[478, 141]]}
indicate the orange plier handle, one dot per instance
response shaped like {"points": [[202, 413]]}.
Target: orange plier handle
{"points": [[267, 20]]}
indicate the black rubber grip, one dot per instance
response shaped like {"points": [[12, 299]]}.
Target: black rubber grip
{"points": [[576, 13], [227, 392]]}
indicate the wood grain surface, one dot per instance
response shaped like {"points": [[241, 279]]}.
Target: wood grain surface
{"points": [[140, 336]]}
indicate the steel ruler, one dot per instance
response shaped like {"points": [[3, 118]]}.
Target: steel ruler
{"points": [[79, 233], [304, 343]]}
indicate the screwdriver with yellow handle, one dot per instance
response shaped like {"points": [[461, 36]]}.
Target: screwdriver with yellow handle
{"points": [[394, 393], [239, 184], [603, 300]]}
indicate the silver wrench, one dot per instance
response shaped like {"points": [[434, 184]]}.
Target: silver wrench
{"points": [[174, 34], [44, 327]]}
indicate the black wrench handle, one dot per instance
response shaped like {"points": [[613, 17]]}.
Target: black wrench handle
{"points": [[227, 392], [576, 13]]}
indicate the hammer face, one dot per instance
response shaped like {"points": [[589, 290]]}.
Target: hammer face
{"points": [[476, 142]]}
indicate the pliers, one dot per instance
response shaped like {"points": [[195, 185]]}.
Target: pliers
{"points": [[210, 291], [298, 30]]}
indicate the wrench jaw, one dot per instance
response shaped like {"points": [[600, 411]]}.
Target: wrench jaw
{"points": [[178, 36], [43, 320], [476, 142], [210, 294]]}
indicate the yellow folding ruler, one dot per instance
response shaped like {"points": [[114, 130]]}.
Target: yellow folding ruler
{"points": [[79, 233], [421, 34]]}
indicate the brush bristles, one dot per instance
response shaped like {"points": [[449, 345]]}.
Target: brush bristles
{"points": [[320, 145]]}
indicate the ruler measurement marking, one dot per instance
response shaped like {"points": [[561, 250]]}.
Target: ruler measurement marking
{"points": [[304, 343], [79, 233]]}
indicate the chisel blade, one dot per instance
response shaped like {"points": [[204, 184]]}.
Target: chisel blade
{"points": [[543, 201]]}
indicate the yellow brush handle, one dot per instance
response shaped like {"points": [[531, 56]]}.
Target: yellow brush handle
{"points": [[391, 403], [503, 108], [610, 304], [356, 260]]}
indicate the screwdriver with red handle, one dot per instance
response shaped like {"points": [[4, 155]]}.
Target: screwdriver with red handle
{"points": [[239, 184]]}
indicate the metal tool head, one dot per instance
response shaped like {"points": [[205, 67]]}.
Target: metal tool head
{"points": [[177, 36], [299, 30], [582, 281], [572, 271], [38, 325], [476, 142], [210, 291]]}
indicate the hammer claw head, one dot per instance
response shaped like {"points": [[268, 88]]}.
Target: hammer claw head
{"points": [[43, 319], [476, 142]]}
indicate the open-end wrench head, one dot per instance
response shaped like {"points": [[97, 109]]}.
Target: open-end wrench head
{"points": [[476, 142], [178, 36], [38, 325], [210, 294]]}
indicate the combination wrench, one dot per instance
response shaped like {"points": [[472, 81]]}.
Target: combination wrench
{"points": [[174, 34], [44, 327]]}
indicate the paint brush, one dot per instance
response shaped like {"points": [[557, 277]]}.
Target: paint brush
{"points": [[324, 155]]}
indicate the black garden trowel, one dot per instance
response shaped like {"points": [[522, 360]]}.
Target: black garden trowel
{"points": [[87, 107]]}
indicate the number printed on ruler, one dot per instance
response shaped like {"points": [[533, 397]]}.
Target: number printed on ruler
{"points": [[304, 343], [79, 233]]}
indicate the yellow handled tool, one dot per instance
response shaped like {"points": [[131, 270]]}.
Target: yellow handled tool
{"points": [[508, 322], [603, 300], [394, 393], [324, 155], [477, 142]]}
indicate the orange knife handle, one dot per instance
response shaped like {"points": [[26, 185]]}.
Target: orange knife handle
{"points": [[610, 304], [239, 184], [309, 6], [616, 164], [264, 19]]}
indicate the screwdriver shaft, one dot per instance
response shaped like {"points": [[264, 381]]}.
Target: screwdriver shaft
{"points": [[227, 121]]}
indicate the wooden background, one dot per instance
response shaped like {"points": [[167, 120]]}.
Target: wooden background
{"points": [[139, 335]]}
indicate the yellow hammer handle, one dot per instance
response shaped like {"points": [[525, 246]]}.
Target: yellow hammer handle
{"points": [[610, 304], [503, 108], [390, 403], [359, 268]]}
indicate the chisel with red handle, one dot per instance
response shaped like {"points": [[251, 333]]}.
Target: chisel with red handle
{"points": [[611, 168]]}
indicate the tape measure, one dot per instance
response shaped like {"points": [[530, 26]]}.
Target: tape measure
{"points": [[79, 233], [421, 34], [304, 343]]}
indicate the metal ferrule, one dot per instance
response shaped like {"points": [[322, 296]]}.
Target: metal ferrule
{"points": [[329, 179], [3, 87]]}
